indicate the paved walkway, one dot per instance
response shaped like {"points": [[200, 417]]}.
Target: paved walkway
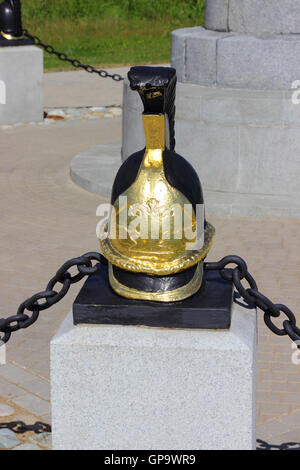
{"points": [[47, 219], [81, 89]]}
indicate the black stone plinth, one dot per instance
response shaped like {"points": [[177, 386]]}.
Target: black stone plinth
{"points": [[16, 42], [209, 308]]}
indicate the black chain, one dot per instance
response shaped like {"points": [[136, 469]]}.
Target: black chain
{"points": [[50, 295], [19, 427], [76, 63], [253, 297], [262, 445]]}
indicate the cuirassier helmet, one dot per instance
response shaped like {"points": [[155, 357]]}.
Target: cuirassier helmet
{"points": [[157, 236]]}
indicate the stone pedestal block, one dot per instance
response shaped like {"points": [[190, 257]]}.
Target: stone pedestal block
{"points": [[253, 16], [21, 84], [128, 387]]}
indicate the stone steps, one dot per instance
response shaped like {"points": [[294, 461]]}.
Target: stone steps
{"points": [[229, 59]]}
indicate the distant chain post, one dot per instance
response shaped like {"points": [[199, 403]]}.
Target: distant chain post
{"points": [[251, 295]]}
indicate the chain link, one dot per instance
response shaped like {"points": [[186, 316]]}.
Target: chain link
{"points": [[83, 263], [253, 297], [50, 296], [76, 63]]}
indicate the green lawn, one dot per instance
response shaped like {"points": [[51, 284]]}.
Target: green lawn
{"points": [[113, 36]]}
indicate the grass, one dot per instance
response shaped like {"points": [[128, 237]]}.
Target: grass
{"points": [[109, 32]]}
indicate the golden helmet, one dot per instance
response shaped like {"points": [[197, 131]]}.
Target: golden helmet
{"points": [[157, 236]]}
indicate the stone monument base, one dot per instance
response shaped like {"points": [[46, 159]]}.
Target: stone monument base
{"points": [[21, 84], [132, 387]]}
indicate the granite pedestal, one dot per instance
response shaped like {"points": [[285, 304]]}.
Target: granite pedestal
{"points": [[21, 82], [117, 387]]}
